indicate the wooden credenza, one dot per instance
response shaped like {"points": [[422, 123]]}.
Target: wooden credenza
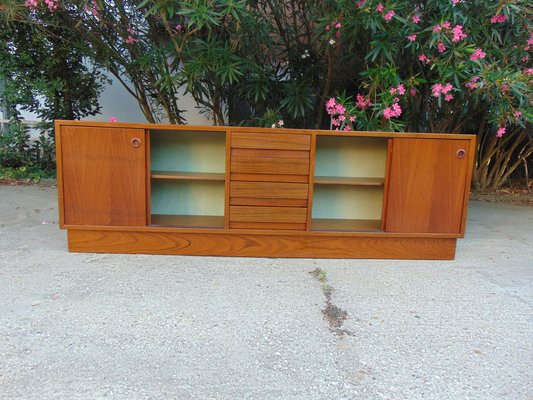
{"points": [[228, 191]]}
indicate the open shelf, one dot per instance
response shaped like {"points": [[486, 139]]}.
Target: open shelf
{"points": [[188, 221], [186, 175], [187, 170], [323, 224], [180, 152], [349, 180], [187, 198], [345, 180]]}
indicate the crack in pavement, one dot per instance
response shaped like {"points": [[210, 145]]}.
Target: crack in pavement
{"points": [[334, 315]]}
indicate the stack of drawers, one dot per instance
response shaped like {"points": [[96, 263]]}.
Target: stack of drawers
{"points": [[269, 182]]}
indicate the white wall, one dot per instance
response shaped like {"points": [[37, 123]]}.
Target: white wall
{"points": [[116, 102]]}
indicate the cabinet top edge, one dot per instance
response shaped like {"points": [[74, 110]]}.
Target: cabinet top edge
{"points": [[207, 128]]}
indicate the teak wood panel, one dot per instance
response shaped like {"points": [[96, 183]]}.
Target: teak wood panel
{"points": [[270, 178], [269, 190], [250, 245], [427, 186], [103, 176], [271, 166], [270, 141], [268, 214]]}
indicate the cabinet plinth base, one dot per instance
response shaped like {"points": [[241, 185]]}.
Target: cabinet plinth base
{"points": [[251, 245]]}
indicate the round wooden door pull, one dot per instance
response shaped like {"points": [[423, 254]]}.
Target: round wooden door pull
{"points": [[135, 142], [461, 153]]}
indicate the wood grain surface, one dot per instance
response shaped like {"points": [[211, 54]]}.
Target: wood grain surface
{"points": [[427, 186], [249, 245], [103, 176], [270, 141]]}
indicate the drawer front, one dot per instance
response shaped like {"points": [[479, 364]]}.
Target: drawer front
{"points": [[252, 217], [269, 166], [269, 194], [269, 184], [272, 141]]}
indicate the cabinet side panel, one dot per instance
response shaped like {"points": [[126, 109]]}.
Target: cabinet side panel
{"points": [[104, 176], [59, 172], [427, 186], [468, 183]]}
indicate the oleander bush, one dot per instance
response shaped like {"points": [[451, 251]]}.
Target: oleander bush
{"points": [[424, 66]]}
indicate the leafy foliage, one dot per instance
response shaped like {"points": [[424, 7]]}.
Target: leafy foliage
{"points": [[425, 66]]}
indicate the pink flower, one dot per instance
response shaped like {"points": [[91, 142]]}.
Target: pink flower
{"points": [[338, 34], [413, 92], [393, 111], [338, 25], [352, 118], [328, 27], [448, 97], [281, 123], [335, 122], [347, 128], [478, 54], [517, 114], [380, 7], [501, 131], [360, 3], [342, 118], [454, 2], [340, 109], [438, 89], [524, 59], [112, 119], [498, 18], [331, 105], [389, 15], [528, 71], [441, 47], [31, 4], [179, 28], [505, 88], [458, 33], [52, 4], [412, 37], [423, 58], [396, 100], [392, 91], [415, 18], [361, 102], [437, 28], [401, 89], [446, 25], [472, 84], [131, 40], [530, 40]]}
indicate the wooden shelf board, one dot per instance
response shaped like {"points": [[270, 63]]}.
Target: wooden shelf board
{"points": [[345, 180], [188, 221], [192, 176], [322, 224]]}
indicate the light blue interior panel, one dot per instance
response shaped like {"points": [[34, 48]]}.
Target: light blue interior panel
{"points": [[351, 157], [187, 151], [347, 202], [173, 197]]}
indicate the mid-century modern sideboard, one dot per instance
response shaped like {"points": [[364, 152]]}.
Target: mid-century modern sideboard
{"points": [[234, 191]]}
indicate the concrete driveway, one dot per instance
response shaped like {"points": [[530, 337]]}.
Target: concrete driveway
{"points": [[86, 326]]}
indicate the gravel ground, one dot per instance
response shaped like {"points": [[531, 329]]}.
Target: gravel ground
{"points": [[86, 326]]}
